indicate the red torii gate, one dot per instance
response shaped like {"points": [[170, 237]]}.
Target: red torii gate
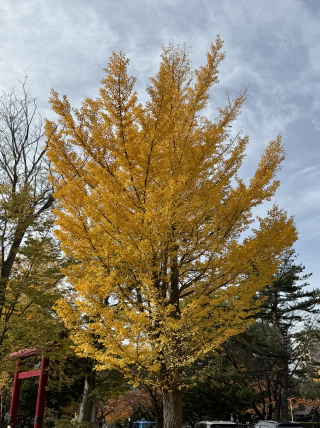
{"points": [[19, 375]]}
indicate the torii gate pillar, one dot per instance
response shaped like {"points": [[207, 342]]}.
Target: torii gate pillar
{"points": [[43, 381]]}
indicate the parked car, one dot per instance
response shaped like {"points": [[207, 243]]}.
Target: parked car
{"points": [[247, 425], [216, 424], [277, 424], [144, 424]]}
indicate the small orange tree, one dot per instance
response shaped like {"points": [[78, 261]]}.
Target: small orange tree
{"points": [[133, 402], [158, 225]]}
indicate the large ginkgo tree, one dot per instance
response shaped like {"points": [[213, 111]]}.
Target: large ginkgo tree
{"points": [[166, 254]]}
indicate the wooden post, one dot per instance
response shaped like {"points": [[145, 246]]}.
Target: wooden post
{"points": [[15, 397], [41, 399]]}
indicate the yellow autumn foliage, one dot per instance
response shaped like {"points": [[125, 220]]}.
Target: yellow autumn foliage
{"points": [[166, 254]]}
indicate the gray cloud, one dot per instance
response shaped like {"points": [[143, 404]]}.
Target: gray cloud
{"points": [[272, 46]]}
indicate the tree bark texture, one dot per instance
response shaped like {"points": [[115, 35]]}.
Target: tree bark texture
{"points": [[157, 404], [284, 393], [172, 408], [278, 404], [87, 407]]}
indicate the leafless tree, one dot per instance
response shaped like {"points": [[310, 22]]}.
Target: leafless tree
{"points": [[25, 193]]}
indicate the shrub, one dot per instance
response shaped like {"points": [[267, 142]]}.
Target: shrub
{"points": [[86, 425], [64, 423]]}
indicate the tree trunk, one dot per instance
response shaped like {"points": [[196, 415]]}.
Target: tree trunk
{"points": [[278, 404], [270, 411], [172, 408], [159, 420], [157, 405], [270, 406], [284, 393], [87, 408]]}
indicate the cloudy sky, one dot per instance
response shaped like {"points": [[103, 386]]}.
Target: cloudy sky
{"points": [[272, 46]]}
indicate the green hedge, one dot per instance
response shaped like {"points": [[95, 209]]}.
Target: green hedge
{"points": [[65, 423], [89, 425]]}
